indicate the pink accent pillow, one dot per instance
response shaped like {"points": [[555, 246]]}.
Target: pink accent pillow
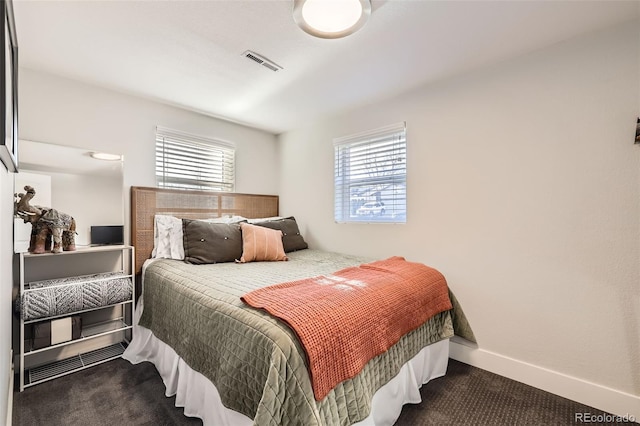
{"points": [[260, 243]]}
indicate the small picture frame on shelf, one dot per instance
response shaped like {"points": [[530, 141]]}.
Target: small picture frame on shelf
{"points": [[9, 89]]}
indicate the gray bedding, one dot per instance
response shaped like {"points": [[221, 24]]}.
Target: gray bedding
{"points": [[255, 361]]}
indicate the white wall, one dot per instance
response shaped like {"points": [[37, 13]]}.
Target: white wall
{"points": [[67, 112], [83, 197], [524, 190]]}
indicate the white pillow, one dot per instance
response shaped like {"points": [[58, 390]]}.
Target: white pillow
{"points": [[227, 219], [264, 219], [167, 238]]}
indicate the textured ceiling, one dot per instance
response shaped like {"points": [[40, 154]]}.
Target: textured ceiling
{"points": [[189, 53]]}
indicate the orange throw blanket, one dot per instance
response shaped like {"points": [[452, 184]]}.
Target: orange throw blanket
{"points": [[346, 319]]}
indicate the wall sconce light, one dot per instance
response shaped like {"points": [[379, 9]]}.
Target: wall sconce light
{"points": [[331, 18]]}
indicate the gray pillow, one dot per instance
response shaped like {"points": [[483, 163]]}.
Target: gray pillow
{"points": [[211, 242], [291, 238]]}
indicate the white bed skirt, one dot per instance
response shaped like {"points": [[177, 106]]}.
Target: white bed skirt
{"points": [[201, 399]]}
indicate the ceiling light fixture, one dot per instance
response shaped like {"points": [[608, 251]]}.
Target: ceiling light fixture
{"points": [[331, 18], [105, 156]]}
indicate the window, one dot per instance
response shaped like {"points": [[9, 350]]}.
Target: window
{"points": [[371, 176], [193, 162]]}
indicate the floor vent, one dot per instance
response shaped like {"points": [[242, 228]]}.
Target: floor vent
{"points": [[261, 60], [55, 369]]}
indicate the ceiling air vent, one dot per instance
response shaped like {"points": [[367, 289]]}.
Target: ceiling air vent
{"points": [[261, 60]]}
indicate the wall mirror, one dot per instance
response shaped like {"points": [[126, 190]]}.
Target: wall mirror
{"points": [[72, 181]]}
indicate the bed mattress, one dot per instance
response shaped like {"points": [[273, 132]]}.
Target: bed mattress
{"points": [[200, 398], [254, 361]]}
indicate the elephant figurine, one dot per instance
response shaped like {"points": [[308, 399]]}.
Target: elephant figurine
{"points": [[46, 223]]}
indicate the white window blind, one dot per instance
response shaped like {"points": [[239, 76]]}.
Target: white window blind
{"points": [[193, 162], [370, 176]]}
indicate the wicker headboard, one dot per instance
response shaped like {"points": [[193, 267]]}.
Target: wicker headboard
{"points": [[185, 204]]}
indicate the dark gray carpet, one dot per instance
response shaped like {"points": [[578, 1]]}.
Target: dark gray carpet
{"points": [[117, 393], [471, 396]]}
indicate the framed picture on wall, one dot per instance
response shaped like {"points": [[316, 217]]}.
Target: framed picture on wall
{"points": [[638, 131], [9, 89]]}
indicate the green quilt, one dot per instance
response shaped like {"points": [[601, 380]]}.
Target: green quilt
{"points": [[255, 361]]}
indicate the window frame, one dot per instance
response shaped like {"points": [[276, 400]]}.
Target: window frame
{"points": [[382, 155]]}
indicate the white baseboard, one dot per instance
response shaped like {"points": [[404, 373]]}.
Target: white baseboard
{"points": [[601, 397]]}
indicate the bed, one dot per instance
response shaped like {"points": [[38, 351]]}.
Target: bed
{"points": [[230, 363]]}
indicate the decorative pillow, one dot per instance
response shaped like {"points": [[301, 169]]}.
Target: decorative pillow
{"points": [[260, 243], [167, 237], [291, 238], [211, 242]]}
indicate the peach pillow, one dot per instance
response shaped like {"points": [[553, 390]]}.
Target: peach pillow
{"points": [[260, 243]]}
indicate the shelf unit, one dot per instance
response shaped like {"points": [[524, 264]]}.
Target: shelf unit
{"points": [[120, 320]]}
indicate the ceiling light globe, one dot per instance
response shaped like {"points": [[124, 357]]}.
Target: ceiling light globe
{"points": [[331, 18], [331, 15]]}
